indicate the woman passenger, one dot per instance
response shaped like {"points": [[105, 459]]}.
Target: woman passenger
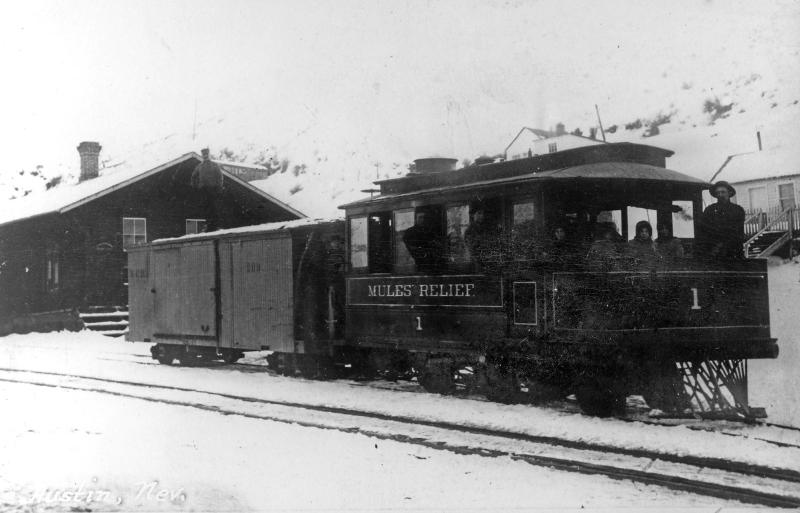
{"points": [[642, 248]]}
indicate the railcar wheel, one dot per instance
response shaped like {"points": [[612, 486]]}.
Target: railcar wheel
{"points": [[600, 401], [438, 377], [502, 387], [231, 356], [162, 354]]}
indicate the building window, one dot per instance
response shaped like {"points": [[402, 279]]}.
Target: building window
{"points": [[758, 199], [134, 231], [552, 147], [53, 270], [786, 195], [196, 226]]}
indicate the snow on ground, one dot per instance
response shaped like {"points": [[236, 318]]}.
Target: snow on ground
{"points": [[134, 455], [775, 384], [90, 354]]}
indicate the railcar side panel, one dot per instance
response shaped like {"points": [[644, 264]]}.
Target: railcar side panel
{"points": [[185, 293], [257, 294], [140, 295]]}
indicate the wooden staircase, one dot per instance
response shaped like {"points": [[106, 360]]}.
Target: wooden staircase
{"points": [[111, 321], [768, 236]]}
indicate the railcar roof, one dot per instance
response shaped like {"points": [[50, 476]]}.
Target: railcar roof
{"points": [[246, 230], [609, 171]]}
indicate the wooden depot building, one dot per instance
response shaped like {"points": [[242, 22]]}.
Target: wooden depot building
{"points": [[65, 248]]}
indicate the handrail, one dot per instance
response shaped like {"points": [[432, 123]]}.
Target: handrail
{"points": [[784, 217], [756, 218]]}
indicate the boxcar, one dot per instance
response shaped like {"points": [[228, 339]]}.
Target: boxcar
{"points": [[222, 293]]}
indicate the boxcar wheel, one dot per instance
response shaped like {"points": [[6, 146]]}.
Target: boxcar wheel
{"points": [[162, 354], [231, 356]]}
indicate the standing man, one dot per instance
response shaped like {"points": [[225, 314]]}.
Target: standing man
{"points": [[722, 225], [207, 180]]}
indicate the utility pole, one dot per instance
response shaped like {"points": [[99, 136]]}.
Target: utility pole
{"points": [[194, 121]]}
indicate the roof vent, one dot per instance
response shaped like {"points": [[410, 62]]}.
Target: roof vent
{"points": [[433, 165]]}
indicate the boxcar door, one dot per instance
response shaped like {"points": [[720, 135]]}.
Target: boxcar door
{"points": [[185, 298], [261, 295]]}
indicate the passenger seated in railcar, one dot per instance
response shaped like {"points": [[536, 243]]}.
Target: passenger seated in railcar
{"points": [[605, 252], [641, 250], [425, 244], [563, 249], [669, 248], [482, 238]]}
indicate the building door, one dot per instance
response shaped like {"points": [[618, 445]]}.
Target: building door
{"points": [[758, 199], [786, 195]]}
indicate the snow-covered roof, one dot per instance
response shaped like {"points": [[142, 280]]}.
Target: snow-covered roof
{"points": [[243, 230], [66, 197], [546, 134], [759, 165]]}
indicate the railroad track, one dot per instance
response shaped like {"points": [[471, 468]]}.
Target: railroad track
{"points": [[714, 477]]}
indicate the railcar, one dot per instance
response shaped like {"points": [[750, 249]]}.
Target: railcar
{"points": [[492, 297]]}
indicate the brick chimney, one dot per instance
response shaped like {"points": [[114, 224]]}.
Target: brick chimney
{"points": [[90, 166], [560, 130]]}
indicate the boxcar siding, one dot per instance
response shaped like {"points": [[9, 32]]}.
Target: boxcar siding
{"points": [[140, 297], [184, 300], [257, 294]]}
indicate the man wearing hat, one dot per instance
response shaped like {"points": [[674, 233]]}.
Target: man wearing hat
{"points": [[722, 225]]}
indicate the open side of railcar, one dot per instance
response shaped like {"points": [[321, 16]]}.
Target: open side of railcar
{"points": [[529, 314]]}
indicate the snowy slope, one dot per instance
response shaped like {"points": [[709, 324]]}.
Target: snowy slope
{"points": [[709, 77]]}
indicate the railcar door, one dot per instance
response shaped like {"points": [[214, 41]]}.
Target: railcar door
{"points": [[257, 294], [185, 297]]}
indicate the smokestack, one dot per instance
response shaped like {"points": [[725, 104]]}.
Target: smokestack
{"points": [[90, 166], [758, 134], [560, 130]]}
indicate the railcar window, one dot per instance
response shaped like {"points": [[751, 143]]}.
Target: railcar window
{"points": [[403, 220], [457, 224], [683, 220], [380, 242], [358, 242], [524, 230]]}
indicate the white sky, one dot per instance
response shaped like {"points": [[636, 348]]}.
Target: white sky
{"points": [[382, 79]]}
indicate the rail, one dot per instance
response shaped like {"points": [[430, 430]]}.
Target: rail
{"points": [[706, 475]]}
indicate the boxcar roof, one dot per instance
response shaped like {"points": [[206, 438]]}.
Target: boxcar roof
{"points": [[596, 171], [245, 230]]}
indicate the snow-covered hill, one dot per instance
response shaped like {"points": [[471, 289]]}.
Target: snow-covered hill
{"points": [[701, 82]]}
